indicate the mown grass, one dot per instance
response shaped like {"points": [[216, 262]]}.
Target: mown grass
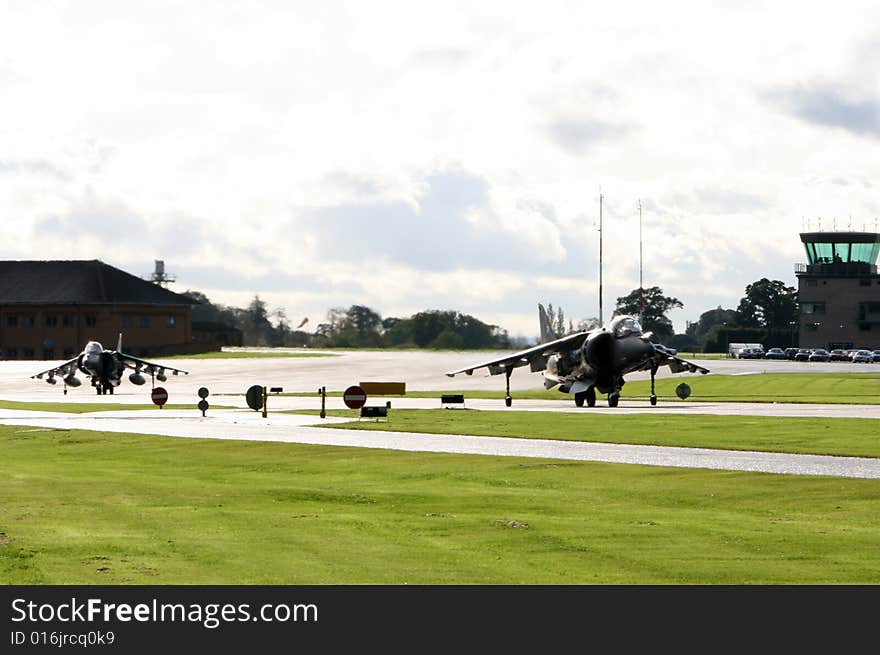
{"points": [[84, 408], [836, 388], [98, 508], [818, 436]]}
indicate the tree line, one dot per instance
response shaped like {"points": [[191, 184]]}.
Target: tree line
{"points": [[767, 313], [355, 327]]}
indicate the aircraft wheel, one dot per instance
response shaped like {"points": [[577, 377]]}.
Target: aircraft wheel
{"points": [[613, 399], [110, 389], [508, 401], [579, 399], [591, 397], [653, 400]]}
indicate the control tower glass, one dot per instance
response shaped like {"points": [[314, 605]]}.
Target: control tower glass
{"points": [[824, 248]]}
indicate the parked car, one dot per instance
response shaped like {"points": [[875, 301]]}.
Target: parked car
{"points": [[774, 353], [876, 354], [751, 353], [803, 355], [863, 357], [838, 355], [819, 355], [790, 352]]}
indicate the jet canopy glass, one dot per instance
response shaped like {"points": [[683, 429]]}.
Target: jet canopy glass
{"points": [[93, 347], [625, 326]]}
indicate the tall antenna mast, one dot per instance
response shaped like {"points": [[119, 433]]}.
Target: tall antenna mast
{"points": [[641, 286], [601, 323]]}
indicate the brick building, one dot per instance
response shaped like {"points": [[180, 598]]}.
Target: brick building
{"points": [[50, 309]]}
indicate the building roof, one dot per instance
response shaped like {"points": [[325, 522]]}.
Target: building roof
{"points": [[81, 282]]}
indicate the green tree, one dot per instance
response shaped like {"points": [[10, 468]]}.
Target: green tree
{"points": [[255, 324], [769, 304], [653, 317], [366, 324]]}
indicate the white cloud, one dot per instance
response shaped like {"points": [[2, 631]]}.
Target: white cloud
{"points": [[215, 135]]}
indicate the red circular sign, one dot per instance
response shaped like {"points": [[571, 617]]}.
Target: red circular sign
{"points": [[354, 397], [159, 396]]}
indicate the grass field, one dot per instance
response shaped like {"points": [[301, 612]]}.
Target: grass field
{"points": [[99, 508], [846, 388], [83, 408], [818, 436]]}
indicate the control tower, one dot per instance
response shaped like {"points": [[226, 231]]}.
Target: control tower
{"points": [[839, 290]]}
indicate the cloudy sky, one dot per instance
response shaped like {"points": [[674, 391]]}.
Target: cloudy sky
{"points": [[437, 155]]}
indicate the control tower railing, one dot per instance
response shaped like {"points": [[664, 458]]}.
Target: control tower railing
{"points": [[836, 269]]}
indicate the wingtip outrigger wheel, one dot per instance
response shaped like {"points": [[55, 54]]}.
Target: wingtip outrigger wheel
{"points": [[507, 399]]}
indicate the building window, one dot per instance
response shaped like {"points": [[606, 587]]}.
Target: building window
{"points": [[48, 353], [28, 353], [12, 353], [144, 321], [27, 320], [170, 321], [12, 320], [91, 320], [67, 320], [812, 308], [127, 320], [51, 321], [68, 353]]}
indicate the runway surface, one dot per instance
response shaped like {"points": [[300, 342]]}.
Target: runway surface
{"points": [[421, 371]]}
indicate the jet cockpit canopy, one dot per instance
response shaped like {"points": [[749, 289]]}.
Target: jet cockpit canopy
{"points": [[626, 326], [92, 348]]}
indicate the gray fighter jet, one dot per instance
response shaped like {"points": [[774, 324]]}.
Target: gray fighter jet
{"points": [[584, 362], [105, 368]]}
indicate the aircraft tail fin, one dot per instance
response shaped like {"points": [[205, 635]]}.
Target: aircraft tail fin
{"points": [[547, 333]]}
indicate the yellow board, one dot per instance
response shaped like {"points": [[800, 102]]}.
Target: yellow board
{"points": [[383, 388]]}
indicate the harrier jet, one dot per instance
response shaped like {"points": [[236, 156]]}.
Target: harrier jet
{"points": [[105, 368], [584, 362]]}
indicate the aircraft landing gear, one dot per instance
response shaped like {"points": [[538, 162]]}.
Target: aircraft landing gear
{"points": [[653, 394], [589, 396], [613, 398], [507, 399]]}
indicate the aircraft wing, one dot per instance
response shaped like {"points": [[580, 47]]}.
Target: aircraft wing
{"points": [[536, 356], [135, 362], [67, 367], [663, 356]]}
